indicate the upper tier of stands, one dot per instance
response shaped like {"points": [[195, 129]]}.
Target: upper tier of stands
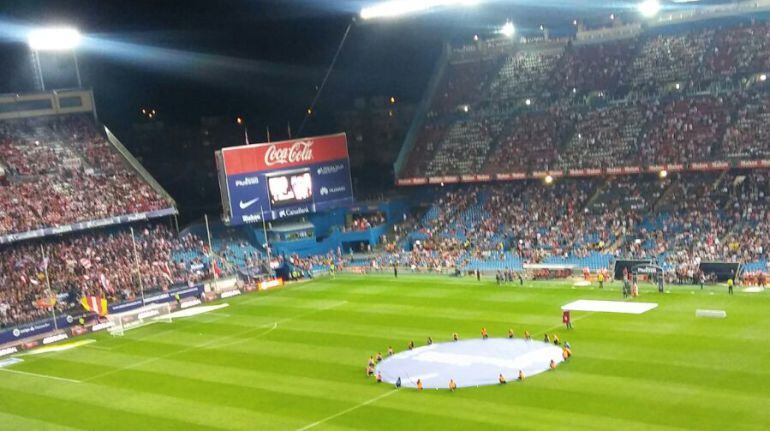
{"points": [[676, 98], [61, 170]]}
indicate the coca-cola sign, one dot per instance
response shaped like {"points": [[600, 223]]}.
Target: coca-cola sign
{"points": [[251, 159], [300, 151]]}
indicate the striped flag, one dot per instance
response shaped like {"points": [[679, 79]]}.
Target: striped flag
{"points": [[95, 304]]}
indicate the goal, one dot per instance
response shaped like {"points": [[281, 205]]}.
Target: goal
{"points": [[146, 315]]}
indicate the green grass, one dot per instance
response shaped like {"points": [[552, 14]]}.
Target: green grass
{"points": [[236, 369]]}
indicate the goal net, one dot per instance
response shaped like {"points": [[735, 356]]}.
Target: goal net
{"points": [[146, 315]]}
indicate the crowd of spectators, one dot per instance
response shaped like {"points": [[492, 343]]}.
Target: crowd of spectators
{"points": [[675, 97], [359, 222], [62, 170], [93, 263]]}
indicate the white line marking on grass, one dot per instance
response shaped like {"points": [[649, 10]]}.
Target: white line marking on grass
{"points": [[102, 348], [346, 411], [210, 343], [45, 376], [261, 334], [553, 328]]}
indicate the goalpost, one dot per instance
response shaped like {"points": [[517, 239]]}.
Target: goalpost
{"points": [[146, 315]]}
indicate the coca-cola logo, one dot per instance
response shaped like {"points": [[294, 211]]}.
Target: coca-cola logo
{"points": [[300, 151]]}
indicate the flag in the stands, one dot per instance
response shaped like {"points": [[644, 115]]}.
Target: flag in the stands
{"points": [[95, 304]]}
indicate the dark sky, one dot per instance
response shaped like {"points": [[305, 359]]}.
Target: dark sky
{"points": [[195, 58]]}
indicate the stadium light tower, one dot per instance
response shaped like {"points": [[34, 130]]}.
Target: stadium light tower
{"points": [[508, 30], [396, 8], [54, 39], [649, 8]]}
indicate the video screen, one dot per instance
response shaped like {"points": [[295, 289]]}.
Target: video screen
{"points": [[290, 188]]}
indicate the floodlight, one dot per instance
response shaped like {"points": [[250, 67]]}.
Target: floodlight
{"points": [[528, 102], [649, 8], [663, 173], [395, 8], [53, 39], [548, 179], [508, 29], [763, 77]]}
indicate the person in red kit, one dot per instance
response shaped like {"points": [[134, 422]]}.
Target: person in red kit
{"points": [[566, 319]]}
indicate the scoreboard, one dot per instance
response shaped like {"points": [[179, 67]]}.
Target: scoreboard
{"points": [[283, 179]]}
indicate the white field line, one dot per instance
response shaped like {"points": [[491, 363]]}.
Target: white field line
{"points": [[209, 343], [346, 411], [155, 334], [45, 376], [583, 316]]}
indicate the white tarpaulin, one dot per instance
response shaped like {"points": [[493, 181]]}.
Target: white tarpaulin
{"points": [[610, 306]]}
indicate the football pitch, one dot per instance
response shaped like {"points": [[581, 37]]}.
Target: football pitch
{"points": [[295, 359]]}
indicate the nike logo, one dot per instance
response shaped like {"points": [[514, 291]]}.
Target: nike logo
{"points": [[247, 204]]}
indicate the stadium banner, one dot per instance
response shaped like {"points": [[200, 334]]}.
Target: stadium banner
{"points": [[158, 298], [109, 221], [583, 172], [754, 163], [36, 328], [710, 166], [65, 321], [282, 179]]}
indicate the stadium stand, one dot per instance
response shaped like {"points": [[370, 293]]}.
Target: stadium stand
{"points": [[61, 170], [684, 97], [90, 263]]}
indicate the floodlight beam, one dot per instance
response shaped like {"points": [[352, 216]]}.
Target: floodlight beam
{"points": [[396, 8]]}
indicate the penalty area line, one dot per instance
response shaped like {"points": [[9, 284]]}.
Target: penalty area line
{"points": [[45, 376], [346, 411]]}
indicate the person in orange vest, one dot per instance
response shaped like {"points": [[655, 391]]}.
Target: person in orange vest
{"points": [[484, 334], [566, 352], [419, 384], [553, 364]]}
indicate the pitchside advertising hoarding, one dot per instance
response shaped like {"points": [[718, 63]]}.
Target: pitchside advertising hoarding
{"points": [[284, 179]]}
